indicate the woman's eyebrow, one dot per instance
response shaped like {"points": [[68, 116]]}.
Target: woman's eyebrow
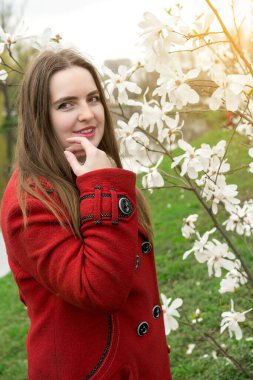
{"points": [[94, 92], [66, 98]]}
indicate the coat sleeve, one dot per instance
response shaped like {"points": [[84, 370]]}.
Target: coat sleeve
{"points": [[95, 273]]}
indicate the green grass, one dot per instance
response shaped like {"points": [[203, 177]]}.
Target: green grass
{"points": [[177, 278], [13, 330]]}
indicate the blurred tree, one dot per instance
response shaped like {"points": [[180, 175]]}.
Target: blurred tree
{"points": [[14, 59]]}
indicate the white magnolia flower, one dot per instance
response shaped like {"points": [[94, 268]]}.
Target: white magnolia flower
{"points": [[229, 90], [46, 40], [171, 130], [121, 83], [217, 150], [153, 178], [199, 247], [213, 168], [234, 279], [197, 317], [152, 30], [173, 84], [203, 59], [188, 227], [241, 219], [170, 312], [245, 129], [200, 27], [130, 139], [210, 159], [158, 37], [191, 162], [153, 115], [231, 320], [8, 39], [220, 192], [190, 348], [228, 284], [219, 257]]}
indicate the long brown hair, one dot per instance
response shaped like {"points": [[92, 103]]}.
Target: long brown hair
{"points": [[37, 143]]}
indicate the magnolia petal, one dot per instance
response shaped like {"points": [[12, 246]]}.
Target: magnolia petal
{"points": [[3, 74], [132, 87], [176, 303], [173, 323], [122, 70], [192, 74], [214, 102], [238, 332], [108, 71], [185, 146], [157, 178], [166, 325], [232, 101], [192, 173], [187, 253], [122, 97]]}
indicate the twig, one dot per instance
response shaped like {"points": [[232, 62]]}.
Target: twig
{"points": [[229, 37], [207, 336], [167, 187], [236, 363], [200, 47]]}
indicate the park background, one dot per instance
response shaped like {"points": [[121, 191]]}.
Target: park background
{"points": [[106, 31]]}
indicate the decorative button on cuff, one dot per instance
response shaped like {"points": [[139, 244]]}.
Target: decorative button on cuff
{"points": [[157, 311], [125, 206], [146, 247], [143, 328]]}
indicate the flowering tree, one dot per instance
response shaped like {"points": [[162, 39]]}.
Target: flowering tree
{"points": [[184, 54]]}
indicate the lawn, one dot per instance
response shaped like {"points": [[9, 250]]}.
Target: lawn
{"points": [[177, 278]]}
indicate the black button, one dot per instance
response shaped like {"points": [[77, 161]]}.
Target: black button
{"points": [[125, 206], [146, 247], [157, 311], [143, 328], [137, 262]]}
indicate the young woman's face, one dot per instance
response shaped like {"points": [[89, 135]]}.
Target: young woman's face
{"points": [[75, 107]]}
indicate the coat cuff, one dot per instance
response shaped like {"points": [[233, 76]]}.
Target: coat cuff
{"points": [[107, 195]]}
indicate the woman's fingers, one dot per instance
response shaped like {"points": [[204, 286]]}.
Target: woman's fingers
{"points": [[94, 158], [73, 162], [75, 148], [83, 141]]}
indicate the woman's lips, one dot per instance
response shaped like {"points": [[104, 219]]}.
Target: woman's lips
{"points": [[87, 132]]}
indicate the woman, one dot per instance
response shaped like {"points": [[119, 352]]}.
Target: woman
{"points": [[78, 234]]}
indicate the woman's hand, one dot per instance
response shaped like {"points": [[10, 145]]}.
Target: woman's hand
{"points": [[95, 158]]}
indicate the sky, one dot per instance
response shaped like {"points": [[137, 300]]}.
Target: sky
{"points": [[102, 29]]}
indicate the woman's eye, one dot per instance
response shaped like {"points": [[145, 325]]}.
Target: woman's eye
{"points": [[95, 98], [64, 106]]}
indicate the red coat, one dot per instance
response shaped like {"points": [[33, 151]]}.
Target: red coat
{"points": [[94, 305]]}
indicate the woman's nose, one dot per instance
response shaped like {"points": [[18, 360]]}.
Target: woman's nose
{"points": [[85, 112]]}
